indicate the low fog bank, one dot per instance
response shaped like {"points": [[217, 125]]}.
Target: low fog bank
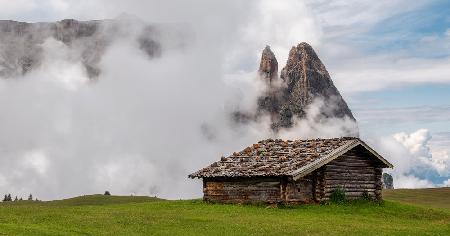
{"points": [[140, 128]]}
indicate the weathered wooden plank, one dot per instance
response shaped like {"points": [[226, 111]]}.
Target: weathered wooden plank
{"points": [[355, 169], [219, 192], [349, 181], [356, 178], [351, 164], [355, 181], [351, 185], [351, 172], [350, 176], [355, 156], [360, 186], [242, 179], [347, 190], [352, 158], [225, 184], [352, 194], [243, 194], [224, 191]]}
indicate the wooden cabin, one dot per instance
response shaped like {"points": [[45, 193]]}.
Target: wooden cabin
{"points": [[299, 171]]}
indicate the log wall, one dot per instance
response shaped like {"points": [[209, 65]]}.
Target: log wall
{"points": [[319, 184], [258, 189], [242, 190], [355, 172], [300, 190]]}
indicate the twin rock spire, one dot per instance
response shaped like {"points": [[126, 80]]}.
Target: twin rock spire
{"points": [[302, 80]]}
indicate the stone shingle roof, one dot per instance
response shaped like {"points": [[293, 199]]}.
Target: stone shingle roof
{"points": [[276, 157]]}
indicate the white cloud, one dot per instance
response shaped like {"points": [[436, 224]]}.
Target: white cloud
{"points": [[418, 145], [415, 165], [441, 162], [315, 124], [13, 8], [37, 161], [410, 181], [280, 24], [60, 66], [3, 181], [416, 142], [129, 175]]}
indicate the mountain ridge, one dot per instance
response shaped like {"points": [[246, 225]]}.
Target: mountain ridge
{"points": [[303, 80], [22, 43]]}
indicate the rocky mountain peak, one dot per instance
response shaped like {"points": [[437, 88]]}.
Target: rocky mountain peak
{"points": [[306, 76], [305, 79], [302, 58], [268, 67]]}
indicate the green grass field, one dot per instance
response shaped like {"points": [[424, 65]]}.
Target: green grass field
{"points": [[432, 197], [118, 215]]}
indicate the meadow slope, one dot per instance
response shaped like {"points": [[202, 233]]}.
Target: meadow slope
{"points": [[430, 197], [114, 215]]}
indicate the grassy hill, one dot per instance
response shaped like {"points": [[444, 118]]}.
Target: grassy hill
{"points": [[119, 215], [430, 197]]}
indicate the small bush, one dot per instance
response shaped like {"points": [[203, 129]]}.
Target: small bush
{"points": [[338, 196], [107, 193], [366, 196], [7, 198]]}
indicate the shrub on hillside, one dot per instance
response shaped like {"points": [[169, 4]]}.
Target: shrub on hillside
{"points": [[366, 196], [338, 196], [7, 198]]}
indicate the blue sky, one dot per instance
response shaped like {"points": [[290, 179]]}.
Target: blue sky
{"points": [[417, 98], [408, 96], [389, 58], [405, 30], [404, 33]]}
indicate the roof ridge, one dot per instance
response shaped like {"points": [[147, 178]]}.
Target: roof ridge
{"points": [[309, 139]]}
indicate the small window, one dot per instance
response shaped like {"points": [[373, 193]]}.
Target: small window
{"points": [[298, 189]]}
